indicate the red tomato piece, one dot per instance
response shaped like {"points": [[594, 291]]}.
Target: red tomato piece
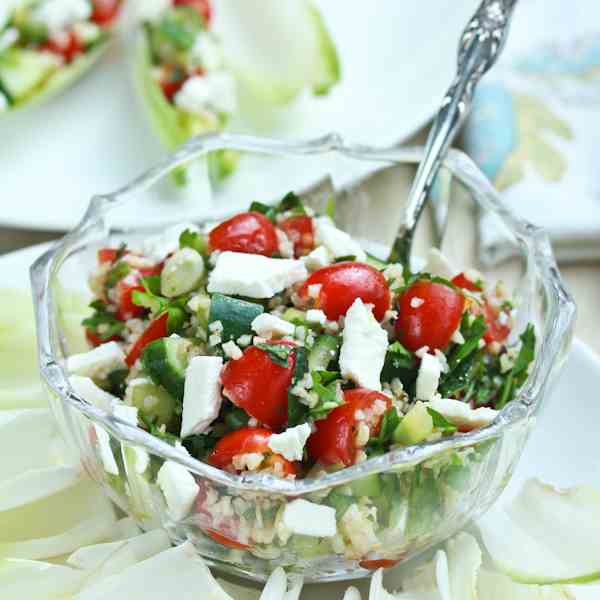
{"points": [[259, 386], [202, 7], [496, 331], [301, 233], [68, 47], [126, 309], [342, 283], [95, 340], [334, 440], [429, 313], [226, 540], [171, 80], [245, 441], [461, 281], [156, 329], [107, 255], [248, 232], [379, 563], [104, 12]]}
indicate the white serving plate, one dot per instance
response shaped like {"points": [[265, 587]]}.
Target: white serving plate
{"points": [[562, 450], [397, 60]]}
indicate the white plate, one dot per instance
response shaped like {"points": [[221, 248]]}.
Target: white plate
{"points": [[562, 450], [397, 59]]}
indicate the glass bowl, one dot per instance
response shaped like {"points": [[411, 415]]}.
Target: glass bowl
{"points": [[403, 501]]}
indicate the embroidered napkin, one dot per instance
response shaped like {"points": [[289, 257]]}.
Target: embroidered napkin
{"points": [[535, 127]]}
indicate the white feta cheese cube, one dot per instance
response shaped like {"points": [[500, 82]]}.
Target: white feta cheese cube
{"points": [[97, 362], [437, 264], [317, 259], [232, 350], [87, 32], [151, 10], [214, 91], [428, 377], [306, 518], [253, 275], [364, 346], [159, 246], [268, 326], [338, 242], [59, 15], [90, 392], [126, 413], [106, 455], [202, 394], [207, 52], [290, 443], [314, 315], [141, 459], [178, 487], [462, 415], [182, 273]]}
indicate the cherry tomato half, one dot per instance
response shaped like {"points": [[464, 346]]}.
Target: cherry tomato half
{"points": [[342, 283], [249, 232], [259, 386], [378, 563], [68, 47], [107, 255], [301, 233], [334, 440], [156, 329], [461, 281], [202, 7], [429, 313], [104, 12], [124, 289], [249, 440]]}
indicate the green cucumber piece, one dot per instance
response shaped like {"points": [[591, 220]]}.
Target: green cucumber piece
{"points": [[23, 71], [307, 546], [153, 402], [295, 316], [366, 486], [165, 361], [325, 349], [235, 315], [415, 427]]}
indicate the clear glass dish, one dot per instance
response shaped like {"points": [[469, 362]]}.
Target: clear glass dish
{"points": [[427, 492]]}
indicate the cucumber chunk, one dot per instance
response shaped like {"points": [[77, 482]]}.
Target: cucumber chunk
{"points": [[325, 349], [153, 401], [235, 315], [367, 486], [416, 426], [23, 71], [165, 361], [182, 273]]}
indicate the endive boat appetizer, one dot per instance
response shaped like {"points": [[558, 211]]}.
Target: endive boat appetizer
{"points": [[47, 44]]}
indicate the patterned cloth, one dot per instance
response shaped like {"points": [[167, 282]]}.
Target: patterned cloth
{"points": [[535, 126]]}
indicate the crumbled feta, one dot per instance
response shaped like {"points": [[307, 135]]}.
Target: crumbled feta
{"points": [[457, 337], [87, 32], [178, 487], [129, 414], [284, 244], [268, 326], [59, 15], [249, 461], [317, 259], [106, 455], [437, 264], [159, 246], [316, 316], [394, 274], [290, 443], [362, 435], [462, 415], [314, 290], [151, 10], [364, 346], [306, 518], [202, 394], [215, 327], [90, 392], [358, 525], [428, 377], [182, 273], [422, 351], [207, 52], [443, 360], [214, 91], [415, 302], [253, 275], [338, 242], [244, 340], [97, 362], [232, 350], [506, 363]]}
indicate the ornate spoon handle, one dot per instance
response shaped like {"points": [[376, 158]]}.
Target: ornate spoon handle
{"points": [[479, 47]]}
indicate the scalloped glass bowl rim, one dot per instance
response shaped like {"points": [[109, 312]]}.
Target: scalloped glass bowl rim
{"points": [[558, 322]]}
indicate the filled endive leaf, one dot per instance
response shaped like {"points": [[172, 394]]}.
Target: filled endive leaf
{"points": [[464, 562], [27, 579], [279, 50], [546, 535], [172, 573], [496, 586]]}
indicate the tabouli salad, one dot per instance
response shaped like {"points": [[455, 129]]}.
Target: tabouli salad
{"points": [[46, 44], [188, 85], [274, 343]]}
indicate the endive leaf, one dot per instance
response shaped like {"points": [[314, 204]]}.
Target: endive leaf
{"points": [[496, 586], [546, 535], [279, 50], [464, 562], [431, 579]]}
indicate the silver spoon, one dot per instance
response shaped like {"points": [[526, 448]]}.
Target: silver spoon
{"points": [[479, 47]]}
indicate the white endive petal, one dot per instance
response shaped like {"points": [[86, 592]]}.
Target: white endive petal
{"points": [[430, 578], [464, 562], [496, 586], [276, 585], [170, 574], [376, 589], [546, 535], [124, 529], [352, 593], [239, 592]]}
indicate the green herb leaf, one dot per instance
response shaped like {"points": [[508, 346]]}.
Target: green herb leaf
{"points": [[400, 364], [194, 240], [118, 271], [116, 382], [297, 411], [347, 258], [330, 208], [291, 202], [102, 323], [440, 422], [326, 386], [389, 422], [151, 284], [278, 353]]}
